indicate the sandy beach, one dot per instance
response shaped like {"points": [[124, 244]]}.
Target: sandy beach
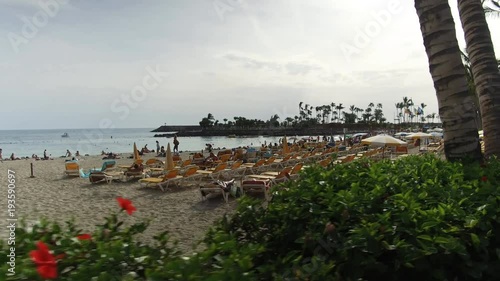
{"points": [[58, 198]]}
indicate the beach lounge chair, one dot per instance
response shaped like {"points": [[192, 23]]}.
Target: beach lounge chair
{"points": [[154, 163], [325, 162], [234, 171], [72, 169], [253, 167], [159, 182], [280, 176], [136, 170], [275, 173], [106, 166], [189, 175], [256, 185], [214, 173], [104, 176], [293, 172], [218, 187]]}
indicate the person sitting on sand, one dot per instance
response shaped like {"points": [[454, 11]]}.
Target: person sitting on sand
{"points": [[162, 152], [77, 154], [13, 157], [68, 153], [111, 155]]}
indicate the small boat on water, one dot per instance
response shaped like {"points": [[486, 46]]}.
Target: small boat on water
{"points": [[65, 135], [231, 136]]}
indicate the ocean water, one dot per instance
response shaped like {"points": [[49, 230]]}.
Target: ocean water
{"points": [[92, 141]]}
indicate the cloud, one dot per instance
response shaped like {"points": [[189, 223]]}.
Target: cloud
{"points": [[282, 67], [21, 3]]}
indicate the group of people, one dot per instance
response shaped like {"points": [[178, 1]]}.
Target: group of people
{"points": [[33, 156], [160, 150]]}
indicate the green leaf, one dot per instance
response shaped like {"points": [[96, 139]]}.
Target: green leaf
{"points": [[425, 237], [475, 239], [429, 224], [442, 240]]}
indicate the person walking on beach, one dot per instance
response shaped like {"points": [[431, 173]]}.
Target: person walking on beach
{"points": [[157, 148], [176, 144], [1, 158]]}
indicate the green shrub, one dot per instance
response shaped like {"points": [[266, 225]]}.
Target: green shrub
{"points": [[416, 219], [420, 218]]}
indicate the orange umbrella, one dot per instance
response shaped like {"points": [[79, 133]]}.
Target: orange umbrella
{"points": [[286, 150], [137, 157], [169, 161]]}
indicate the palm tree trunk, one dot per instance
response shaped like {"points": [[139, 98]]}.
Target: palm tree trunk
{"points": [[484, 70], [461, 140]]}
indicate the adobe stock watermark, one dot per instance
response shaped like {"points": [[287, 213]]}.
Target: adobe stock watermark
{"points": [[363, 37], [31, 27], [221, 7], [123, 105], [11, 221]]}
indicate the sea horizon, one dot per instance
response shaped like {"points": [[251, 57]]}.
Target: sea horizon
{"points": [[25, 143]]}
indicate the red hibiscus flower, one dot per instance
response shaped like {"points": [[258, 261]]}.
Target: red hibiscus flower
{"points": [[126, 205], [484, 178], [45, 262], [84, 236]]}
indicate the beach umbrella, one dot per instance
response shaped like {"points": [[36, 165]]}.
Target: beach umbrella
{"points": [[169, 161], [418, 135], [437, 130], [383, 140], [359, 135], [137, 157], [401, 134], [437, 134], [286, 150]]}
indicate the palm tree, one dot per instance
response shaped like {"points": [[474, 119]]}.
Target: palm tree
{"points": [[491, 7], [339, 107], [358, 110], [485, 72], [332, 109], [461, 139], [334, 116]]}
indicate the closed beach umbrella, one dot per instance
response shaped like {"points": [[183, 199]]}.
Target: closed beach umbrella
{"points": [[286, 150], [169, 161], [383, 140], [137, 157]]}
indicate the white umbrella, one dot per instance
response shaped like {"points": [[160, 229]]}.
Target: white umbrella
{"points": [[418, 135], [436, 134], [401, 134], [438, 130], [359, 135], [383, 140]]}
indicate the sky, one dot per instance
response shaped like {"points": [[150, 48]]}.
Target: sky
{"points": [[141, 64]]}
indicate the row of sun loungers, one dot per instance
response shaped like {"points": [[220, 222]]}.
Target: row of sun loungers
{"points": [[258, 176]]}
